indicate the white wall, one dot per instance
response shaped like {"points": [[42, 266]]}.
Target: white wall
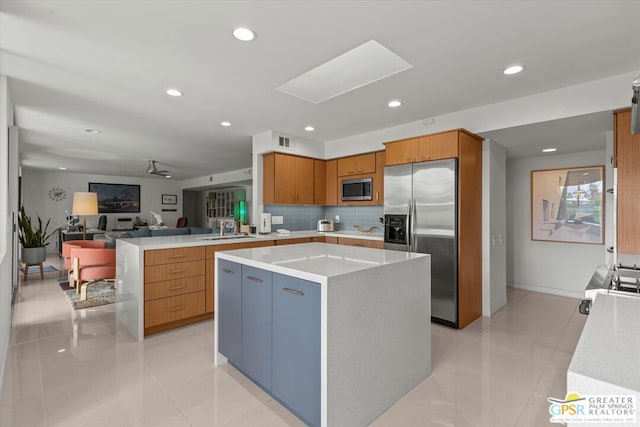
{"points": [[557, 268], [494, 229], [8, 208], [37, 183], [595, 96]]}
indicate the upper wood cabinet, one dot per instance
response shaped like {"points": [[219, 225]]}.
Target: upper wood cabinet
{"points": [[377, 175], [331, 183], [626, 157], [438, 146], [319, 182], [357, 165], [287, 179]]}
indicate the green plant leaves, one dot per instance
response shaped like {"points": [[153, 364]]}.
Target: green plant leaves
{"points": [[31, 236]]}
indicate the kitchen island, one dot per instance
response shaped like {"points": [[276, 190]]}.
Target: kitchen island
{"points": [[168, 282], [336, 334]]}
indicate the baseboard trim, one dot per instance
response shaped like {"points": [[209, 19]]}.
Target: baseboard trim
{"points": [[546, 290]]}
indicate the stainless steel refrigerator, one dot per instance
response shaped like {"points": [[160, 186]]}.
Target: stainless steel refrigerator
{"points": [[420, 208]]}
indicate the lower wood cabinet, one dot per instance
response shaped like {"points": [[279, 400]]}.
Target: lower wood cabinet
{"points": [[294, 241], [269, 328], [365, 243], [171, 309]]}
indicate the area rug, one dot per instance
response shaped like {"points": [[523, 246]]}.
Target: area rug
{"points": [[36, 269], [100, 293]]}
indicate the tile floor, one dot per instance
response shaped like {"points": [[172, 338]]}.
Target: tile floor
{"points": [[81, 368]]}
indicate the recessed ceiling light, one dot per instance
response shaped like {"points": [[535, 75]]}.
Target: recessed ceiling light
{"points": [[62, 350], [173, 92], [62, 168], [549, 150], [514, 69], [92, 130], [244, 34], [225, 124], [309, 128], [167, 176], [394, 104]]}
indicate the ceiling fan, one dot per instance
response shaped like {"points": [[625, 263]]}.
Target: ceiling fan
{"points": [[152, 169]]}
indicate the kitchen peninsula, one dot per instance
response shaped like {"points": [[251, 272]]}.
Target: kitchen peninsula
{"points": [[168, 282], [336, 334]]}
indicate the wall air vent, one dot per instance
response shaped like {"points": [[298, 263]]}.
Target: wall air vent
{"points": [[286, 142]]}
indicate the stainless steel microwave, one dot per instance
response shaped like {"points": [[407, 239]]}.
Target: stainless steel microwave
{"points": [[357, 189]]}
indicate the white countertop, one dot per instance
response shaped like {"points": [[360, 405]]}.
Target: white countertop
{"points": [[163, 242], [609, 347], [316, 261]]}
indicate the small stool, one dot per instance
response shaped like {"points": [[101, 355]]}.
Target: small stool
{"points": [[26, 271]]}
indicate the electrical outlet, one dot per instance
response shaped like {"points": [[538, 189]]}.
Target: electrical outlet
{"points": [[337, 219], [275, 220]]}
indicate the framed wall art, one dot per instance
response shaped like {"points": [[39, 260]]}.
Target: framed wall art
{"points": [[567, 205], [169, 199], [116, 198]]}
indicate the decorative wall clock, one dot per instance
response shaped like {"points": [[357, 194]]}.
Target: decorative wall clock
{"points": [[57, 194]]}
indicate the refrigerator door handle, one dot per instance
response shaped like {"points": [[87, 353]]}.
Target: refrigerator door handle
{"points": [[414, 244], [409, 228]]}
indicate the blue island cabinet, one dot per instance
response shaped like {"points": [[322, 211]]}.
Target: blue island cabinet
{"points": [[256, 325], [296, 346], [230, 311]]}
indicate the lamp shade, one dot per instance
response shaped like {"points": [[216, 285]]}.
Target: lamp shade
{"points": [[85, 204]]}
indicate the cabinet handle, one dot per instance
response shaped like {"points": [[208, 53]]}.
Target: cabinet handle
{"points": [[177, 271], [254, 279], [177, 256], [180, 307], [226, 270], [175, 288], [377, 196], [293, 292]]}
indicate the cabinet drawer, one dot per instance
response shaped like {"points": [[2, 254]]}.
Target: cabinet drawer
{"points": [[165, 256], [170, 288], [170, 309], [365, 243], [160, 273], [294, 241]]}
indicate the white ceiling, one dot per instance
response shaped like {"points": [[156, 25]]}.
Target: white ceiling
{"points": [[76, 65]]}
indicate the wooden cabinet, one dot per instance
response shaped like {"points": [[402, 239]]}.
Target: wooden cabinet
{"points": [[438, 146], [331, 183], [364, 243], [357, 165], [319, 182], [294, 241], [288, 180], [174, 287], [626, 152], [378, 179]]}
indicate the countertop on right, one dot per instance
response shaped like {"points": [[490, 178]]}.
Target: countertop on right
{"points": [[607, 356]]}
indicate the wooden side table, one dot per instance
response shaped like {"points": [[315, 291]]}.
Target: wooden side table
{"points": [[26, 271]]}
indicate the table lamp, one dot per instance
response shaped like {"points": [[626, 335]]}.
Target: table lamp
{"points": [[85, 204]]}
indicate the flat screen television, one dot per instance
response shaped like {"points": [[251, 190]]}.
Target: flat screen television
{"points": [[116, 198]]}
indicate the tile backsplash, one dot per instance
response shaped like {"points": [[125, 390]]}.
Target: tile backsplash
{"points": [[297, 218]]}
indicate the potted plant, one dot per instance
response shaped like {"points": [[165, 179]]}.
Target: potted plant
{"points": [[33, 238]]}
